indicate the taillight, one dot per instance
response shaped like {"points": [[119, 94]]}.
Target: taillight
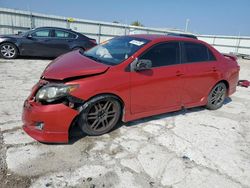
{"points": [[93, 41]]}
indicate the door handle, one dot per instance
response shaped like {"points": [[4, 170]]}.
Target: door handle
{"points": [[179, 73], [214, 69]]}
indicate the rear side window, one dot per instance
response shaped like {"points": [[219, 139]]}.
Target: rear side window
{"points": [[163, 54], [197, 53], [64, 34]]}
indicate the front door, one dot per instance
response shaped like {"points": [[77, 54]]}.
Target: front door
{"points": [[160, 87], [38, 44]]}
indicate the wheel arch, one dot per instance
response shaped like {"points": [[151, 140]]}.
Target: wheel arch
{"points": [[219, 81], [226, 83], [78, 47], [110, 95], [13, 43], [209, 105], [120, 100], [73, 123]]}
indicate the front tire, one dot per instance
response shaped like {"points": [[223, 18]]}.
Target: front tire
{"points": [[99, 115], [8, 51], [217, 96]]}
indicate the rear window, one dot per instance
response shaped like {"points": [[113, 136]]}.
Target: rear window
{"points": [[197, 53], [64, 34]]}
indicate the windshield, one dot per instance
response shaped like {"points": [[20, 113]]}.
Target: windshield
{"points": [[25, 33], [116, 50]]}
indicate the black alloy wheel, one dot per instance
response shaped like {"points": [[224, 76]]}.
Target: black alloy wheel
{"points": [[217, 96], [78, 48], [100, 115]]}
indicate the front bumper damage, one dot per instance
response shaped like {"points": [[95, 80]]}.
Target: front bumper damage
{"points": [[49, 122]]}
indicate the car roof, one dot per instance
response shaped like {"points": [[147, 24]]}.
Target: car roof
{"points": [[56, 28], [159, 37], [183, 35]]}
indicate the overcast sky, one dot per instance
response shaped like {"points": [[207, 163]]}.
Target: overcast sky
{"points": [[226, 17]]}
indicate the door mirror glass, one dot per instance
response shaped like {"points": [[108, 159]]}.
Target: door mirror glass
{"points": [[143, 64]]}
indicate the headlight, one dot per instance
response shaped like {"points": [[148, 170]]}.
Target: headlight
{"points": [[50, 93]]}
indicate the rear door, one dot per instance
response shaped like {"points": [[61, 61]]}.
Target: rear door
{"points": [[160, 87], [62, 41], [202, 73]]}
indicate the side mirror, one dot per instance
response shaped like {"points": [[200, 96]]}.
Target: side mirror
{"points": [[29, 36], [143, 64]]}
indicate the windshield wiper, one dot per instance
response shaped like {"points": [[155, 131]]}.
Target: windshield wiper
{"points": [[92, 57], [95, 58]]}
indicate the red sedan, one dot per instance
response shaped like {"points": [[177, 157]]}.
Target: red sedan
{"points": [[126, 78]]}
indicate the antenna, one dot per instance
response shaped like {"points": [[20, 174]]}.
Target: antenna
{"points": [[187, 22]]}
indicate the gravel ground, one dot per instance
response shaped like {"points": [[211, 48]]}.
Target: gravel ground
{"points": [[192, 148]]}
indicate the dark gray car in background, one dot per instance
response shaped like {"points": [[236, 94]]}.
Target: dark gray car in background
{"points": [[43, 42]]}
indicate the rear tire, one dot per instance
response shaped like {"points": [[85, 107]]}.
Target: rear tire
{"points": [[8, 51], [78, 48], [217, 96], [99, 115]]}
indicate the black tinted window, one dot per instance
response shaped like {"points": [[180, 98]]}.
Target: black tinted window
{"points": [[64, 34], [211, 56], [163, 54], [197, 53]]}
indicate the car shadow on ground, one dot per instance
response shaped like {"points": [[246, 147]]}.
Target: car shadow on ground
{"points": [[27, 58], [77, 134], [171, 114], [9, 61], [35, 58]]}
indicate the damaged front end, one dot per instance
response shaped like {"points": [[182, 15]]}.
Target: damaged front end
{"points": [[49, 111], [51, 108]]}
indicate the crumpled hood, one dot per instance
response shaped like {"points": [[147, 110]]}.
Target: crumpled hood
{"points": [[72, 64]]}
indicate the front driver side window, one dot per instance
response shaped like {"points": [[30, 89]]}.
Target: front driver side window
{"points": [[163, 54], [41, 33]]}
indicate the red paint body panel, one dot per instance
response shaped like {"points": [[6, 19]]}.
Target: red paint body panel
{"points": [[56, 119], [196, 80], [146, 93], [151, 88]]}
